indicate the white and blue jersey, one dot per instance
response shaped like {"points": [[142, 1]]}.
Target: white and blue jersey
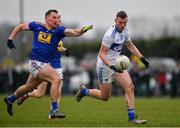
{"points": [[114, 40], [45, 41]]}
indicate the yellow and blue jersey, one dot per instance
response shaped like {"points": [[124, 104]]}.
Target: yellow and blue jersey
{"points": [[45, 41], [56, 60]]}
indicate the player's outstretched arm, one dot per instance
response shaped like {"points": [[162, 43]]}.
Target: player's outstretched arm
{"points": [[132, 48], [135, 51], [77, 32], [17, 29]]}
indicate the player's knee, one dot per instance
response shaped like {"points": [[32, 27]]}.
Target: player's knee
{"points": [[56, 80], [130, 88]]}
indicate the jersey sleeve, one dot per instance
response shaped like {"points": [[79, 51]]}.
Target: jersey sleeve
{"points": [[107, 41], [32, 25], [128, 38], [61, 30]]}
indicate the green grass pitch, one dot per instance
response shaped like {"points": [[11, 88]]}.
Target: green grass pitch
{"points": [[92, 112]]}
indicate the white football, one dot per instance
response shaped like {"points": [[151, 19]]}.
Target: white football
{"points": [[122, 62]]}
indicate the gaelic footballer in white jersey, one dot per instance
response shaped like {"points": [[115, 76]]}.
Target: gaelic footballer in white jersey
{"points": [[114, 40]]}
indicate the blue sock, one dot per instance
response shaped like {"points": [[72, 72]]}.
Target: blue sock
{"points": [[54, 106], [11, 98], [85, 92], [131, 114]]}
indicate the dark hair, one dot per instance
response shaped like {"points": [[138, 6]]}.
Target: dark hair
{"points": [[121, 14], [49, 12]]}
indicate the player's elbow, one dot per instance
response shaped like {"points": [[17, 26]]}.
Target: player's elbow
{"points": [[101, 55], [21, 27]]}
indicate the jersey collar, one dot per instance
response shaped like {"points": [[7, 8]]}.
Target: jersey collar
{"points": [[117, 29]]}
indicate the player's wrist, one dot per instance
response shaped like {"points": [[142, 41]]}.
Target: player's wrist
{"points": [[10, 44], [142, 57], [9, 39], [108, 65], [112, 67], [144, 61]]}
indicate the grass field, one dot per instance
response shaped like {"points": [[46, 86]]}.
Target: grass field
{"points": [[91, 112]]}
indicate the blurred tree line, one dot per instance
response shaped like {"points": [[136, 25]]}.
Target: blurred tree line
{"points": [[167, 46], [162, 47]]}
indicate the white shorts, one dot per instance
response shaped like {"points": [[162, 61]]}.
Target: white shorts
{"points": [[59, 71], [35, 66], [105, 75]]}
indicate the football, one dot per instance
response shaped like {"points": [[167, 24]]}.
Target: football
{"points": [[122, 62]]}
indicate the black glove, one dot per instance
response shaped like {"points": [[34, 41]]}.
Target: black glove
{"points": [[66, 52], [144, 61], [115, 69], [10, 44]]}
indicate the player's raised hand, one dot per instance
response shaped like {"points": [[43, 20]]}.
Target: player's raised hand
{"points": [[115, 69], [144, 61], [86, 28], [10, 44]]}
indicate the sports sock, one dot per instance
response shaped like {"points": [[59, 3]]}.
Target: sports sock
{"points": [[85, 92], [131, 114], [27, 95], [54, 106], [11, 98]]}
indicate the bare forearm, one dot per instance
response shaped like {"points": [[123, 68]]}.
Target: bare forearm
{"points": [[16, 30], [132, 48], [135, 51], [78, 31], [73, 32], [104, 59]]}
